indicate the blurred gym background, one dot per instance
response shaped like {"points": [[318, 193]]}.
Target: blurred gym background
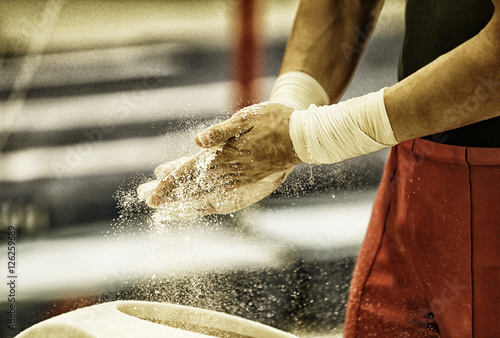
{"points": [[94, 94]]}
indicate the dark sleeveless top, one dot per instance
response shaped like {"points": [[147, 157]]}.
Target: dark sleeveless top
{"points": [[433, 28]]}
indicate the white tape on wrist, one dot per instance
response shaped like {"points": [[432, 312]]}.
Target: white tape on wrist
{"points": [[334, 133], [298, 90]]}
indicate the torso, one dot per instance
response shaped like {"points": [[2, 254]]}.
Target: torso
{"points": [[433, 28]]}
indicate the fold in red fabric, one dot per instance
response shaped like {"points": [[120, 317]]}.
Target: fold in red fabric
{"points": [[429, 264]]}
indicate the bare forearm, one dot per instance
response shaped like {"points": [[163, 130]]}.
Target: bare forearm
{"points": [[328, 39], [459, 88]]}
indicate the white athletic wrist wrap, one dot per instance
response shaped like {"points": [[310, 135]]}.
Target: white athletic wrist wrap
{"points": [[334, 133], [298, 90]]}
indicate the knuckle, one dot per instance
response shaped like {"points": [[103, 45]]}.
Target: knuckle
{"points": [[217, 134]]}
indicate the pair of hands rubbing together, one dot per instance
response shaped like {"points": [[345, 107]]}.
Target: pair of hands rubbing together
{"points": [[246, 157], [243, 160]]}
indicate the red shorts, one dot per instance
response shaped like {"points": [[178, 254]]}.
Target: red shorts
{"points": [[429, 264]]}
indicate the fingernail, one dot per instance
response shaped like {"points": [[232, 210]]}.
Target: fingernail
{"points": [[204, 139]]}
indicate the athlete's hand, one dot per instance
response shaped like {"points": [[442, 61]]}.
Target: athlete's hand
{"points": [[245, 159]]}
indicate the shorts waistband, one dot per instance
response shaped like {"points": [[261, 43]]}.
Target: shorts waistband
{"points": [[449, 154]]}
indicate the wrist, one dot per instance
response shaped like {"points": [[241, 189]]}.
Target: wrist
{"points": [[298, 90], [348, 129]]}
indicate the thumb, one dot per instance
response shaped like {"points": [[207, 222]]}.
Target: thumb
{"points": [[221, 132]]}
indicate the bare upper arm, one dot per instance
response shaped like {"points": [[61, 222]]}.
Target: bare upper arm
{"points": [[496, 15], [328, 39], [493, 28]]}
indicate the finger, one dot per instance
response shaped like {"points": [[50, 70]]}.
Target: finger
{"points": [[223, 131], [182, 173], [230, 168], [146, 190], [166, 168], [218, 202], [192, 174], [193, 192]]}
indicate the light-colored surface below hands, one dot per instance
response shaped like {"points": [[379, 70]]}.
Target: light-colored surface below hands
{"points": [[151, 319]]}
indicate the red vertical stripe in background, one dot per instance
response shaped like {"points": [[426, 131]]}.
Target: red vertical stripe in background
{"points": [[246, 61]]}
